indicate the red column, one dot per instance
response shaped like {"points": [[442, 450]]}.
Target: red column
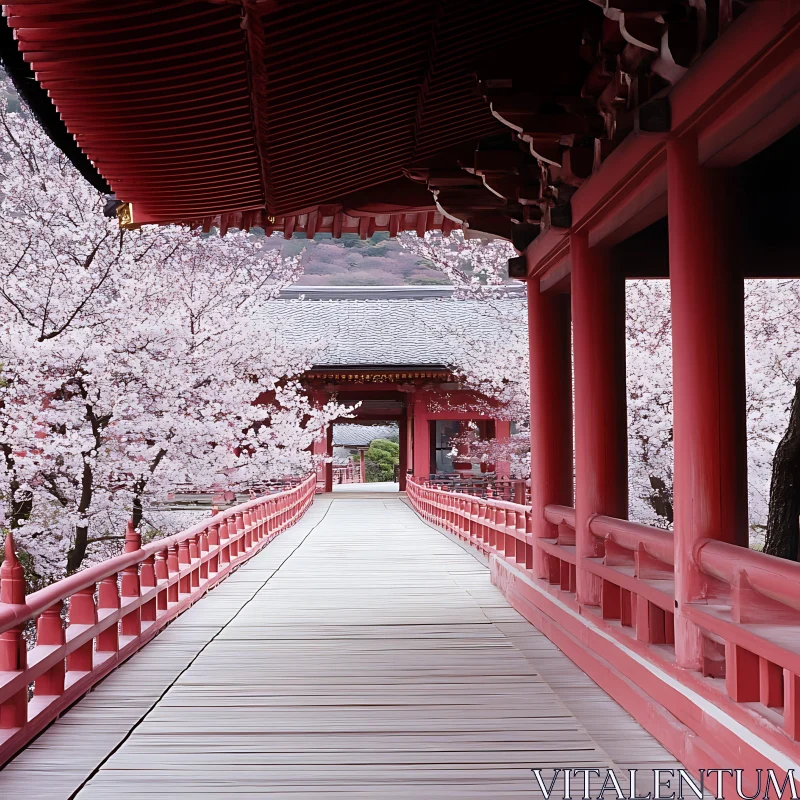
{"points": [[362, 465], [329, 454], [403, 467], [601, 447], [319, 445], [422, 442], [710, 493], [550, 350]]}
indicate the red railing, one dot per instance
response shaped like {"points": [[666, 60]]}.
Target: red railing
{"points": [[347, 473], [487, 487], [750, 619], [90, 622]]}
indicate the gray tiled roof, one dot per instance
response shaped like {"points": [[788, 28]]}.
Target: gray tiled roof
{"points": [[384, 332], [406, 292], [361, 435]]}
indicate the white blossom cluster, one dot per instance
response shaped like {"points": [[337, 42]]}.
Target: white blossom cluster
{"points": [[130, 361], [475, 268]]}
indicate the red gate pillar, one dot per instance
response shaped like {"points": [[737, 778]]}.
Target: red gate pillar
{"points": [[319, 445], [403, 466], [550, 351], [710, 493], [601, 447], [329, 454], [362, 465], [422, 440]]}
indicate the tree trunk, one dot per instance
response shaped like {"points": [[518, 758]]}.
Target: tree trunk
{"points": [[77, 552], [21, 500], [137, 511], [783, 528]]}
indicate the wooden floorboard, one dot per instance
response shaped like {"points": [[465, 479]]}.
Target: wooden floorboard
{"points": [[362, 654]]}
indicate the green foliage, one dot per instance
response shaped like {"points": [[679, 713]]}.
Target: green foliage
{"points": [[381, 457]]}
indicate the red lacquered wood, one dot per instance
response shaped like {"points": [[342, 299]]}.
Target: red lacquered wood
{"points": [[108, 601], [82, 613], [549, 347], [131, 624], [147, 580], [710, 492], [50, 633], [13, 654], [601, 445]]}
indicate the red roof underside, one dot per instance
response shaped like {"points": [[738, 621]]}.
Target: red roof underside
{"points": [[192, 110]]}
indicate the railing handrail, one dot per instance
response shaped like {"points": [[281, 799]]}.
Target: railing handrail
{"points": [[508, 505], [630, 535], [560, 515], [771, 576], [37, 603]]}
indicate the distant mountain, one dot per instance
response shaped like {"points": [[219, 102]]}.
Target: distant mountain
{"points": [[378, 261]]}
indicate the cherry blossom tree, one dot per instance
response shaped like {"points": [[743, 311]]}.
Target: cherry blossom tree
{"points": [[475, 267], [130, 361], [772, 346]]}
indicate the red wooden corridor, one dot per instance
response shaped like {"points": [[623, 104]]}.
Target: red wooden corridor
{"points": [[608, 141], [361, 654]]}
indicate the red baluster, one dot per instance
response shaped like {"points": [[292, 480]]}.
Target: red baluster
{"points": [[13, 655], [529, 537], [225, 547], [50, 633], [194, 557], [234, 549], [213, 547], [184, 559], [108, 599], [173, 567], [247, 527], [129, 586], [147, 580], [82, 611], [162, 574], [240, 541], [258, 533], [490, 520], [202, 543]]}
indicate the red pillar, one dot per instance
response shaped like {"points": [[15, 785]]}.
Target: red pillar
{"points": [[710, 493], [422, 442], [601, 447], [403, 466], [550, 351], [329, 454], [319, 446], [409, 440], [362, 465]]}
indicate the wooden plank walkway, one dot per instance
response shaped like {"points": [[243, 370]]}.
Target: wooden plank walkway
{"points": [[362, 654]]}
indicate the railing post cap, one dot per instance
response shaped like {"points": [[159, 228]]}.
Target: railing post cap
{"points": [[133, 539], [12, 575]]}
